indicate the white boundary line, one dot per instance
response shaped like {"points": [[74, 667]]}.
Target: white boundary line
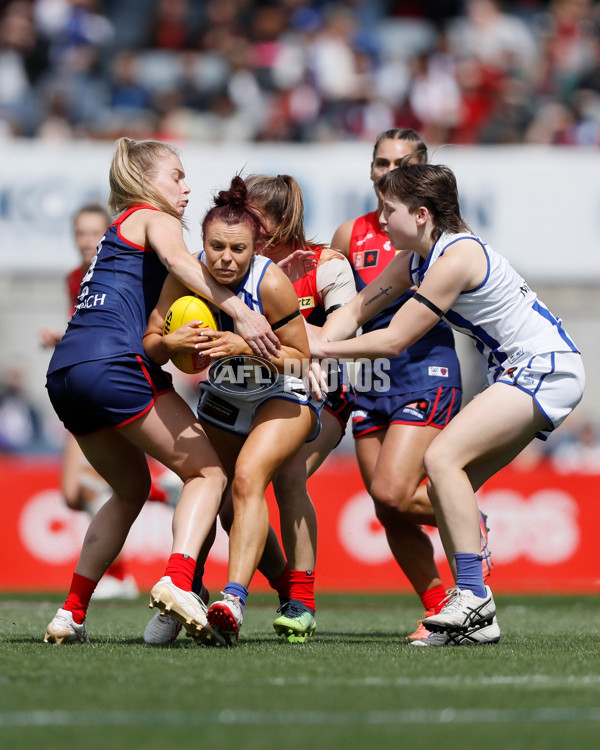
{"points": [[228, 717]]}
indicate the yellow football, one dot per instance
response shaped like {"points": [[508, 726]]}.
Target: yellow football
{"points": [[182, 311]]}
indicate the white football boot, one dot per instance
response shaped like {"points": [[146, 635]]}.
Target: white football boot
{"points": [[63, 629], [462, 611]]}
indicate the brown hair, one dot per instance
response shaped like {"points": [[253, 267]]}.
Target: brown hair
{"points": [[404, 134], [280, 198], [430, 185], [133, 163], [234, 206], [92, 208]]}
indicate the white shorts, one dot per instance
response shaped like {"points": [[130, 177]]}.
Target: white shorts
{"points": [[554, 380], [235, 412]]}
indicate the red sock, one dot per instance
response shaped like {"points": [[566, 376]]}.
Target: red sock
{"points": [[281, 584], [432, 598], [117, 570], [302, 587], [79, 596], [181, 568]]}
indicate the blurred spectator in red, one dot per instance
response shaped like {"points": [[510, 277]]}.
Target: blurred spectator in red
{"points": [[89, 224], [567, 35], [172, 27]]}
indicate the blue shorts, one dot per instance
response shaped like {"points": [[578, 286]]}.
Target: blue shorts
{"points": [[432, 408], [105, 392]]}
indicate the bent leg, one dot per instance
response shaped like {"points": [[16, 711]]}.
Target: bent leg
{"points": [[278, 431], [391, 463], [484, 437], [124, 467], [171, 433], [296, 510]]}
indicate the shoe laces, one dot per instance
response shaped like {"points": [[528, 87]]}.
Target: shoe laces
{"points": [[199, 600], [452, 601], [293, 609], [234, 602]]}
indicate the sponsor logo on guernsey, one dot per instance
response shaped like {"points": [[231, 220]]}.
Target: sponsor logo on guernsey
{"points": [[514, 357], [371, 257], [364, 239], [365, 259], [306, 303], [438, 372], [87, 300]]}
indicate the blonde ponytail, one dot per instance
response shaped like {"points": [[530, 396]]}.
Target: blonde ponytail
{"points": [[132, 166]]}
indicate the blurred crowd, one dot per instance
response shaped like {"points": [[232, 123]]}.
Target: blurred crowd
{"points": [[459, 71]]}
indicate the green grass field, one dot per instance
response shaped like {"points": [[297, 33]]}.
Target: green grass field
{"points": [[357, 684]]}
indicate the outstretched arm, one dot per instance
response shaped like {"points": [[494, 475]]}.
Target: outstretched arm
{"points": [[461, 268], [388, 286]]}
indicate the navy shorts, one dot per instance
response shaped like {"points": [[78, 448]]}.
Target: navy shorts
{"points": [[105, 392], [434, 408], [341, 402]]}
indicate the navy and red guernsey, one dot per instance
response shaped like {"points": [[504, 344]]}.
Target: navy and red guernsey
{"points": [[117, 295]]}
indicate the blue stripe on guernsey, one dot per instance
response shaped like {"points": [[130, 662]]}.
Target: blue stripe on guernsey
{"points": [[248, 290], [478, 333], [544, 312], [248, 299], [487, 274]]}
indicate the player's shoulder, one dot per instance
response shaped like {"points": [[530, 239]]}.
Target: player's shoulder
{"points": [[330, 253], [342, 236]]}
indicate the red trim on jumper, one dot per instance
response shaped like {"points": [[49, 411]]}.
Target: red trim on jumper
{"points": [[124, 216]]}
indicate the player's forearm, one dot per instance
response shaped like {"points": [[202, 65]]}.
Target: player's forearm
{"points": [[370, 346], [291, 360], [156, 348], [340, 324]]}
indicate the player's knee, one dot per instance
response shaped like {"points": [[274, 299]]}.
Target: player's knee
{"points": [[391, 499], [213, 474], [245, 483], [437, 463]]}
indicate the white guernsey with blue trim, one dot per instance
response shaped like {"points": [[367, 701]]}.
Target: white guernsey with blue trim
{"points": [[524, 343]]}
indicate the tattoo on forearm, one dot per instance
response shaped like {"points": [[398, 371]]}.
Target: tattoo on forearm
{"points": [[379, 294]]}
